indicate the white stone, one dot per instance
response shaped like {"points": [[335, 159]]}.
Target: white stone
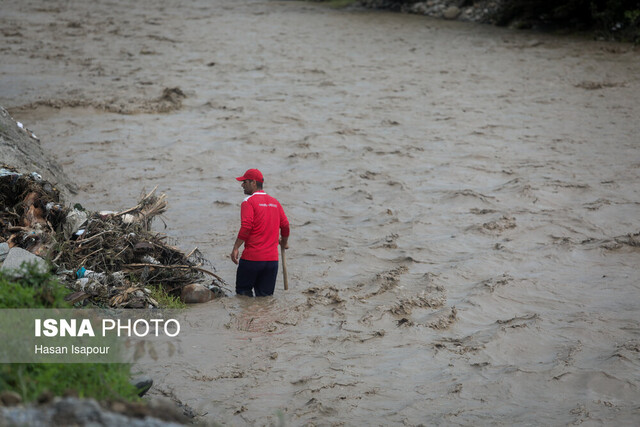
{"points": [[17, 256]]}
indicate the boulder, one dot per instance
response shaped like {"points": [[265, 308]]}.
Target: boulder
{"points": [[17, 256], [87, 412], [196, 293], [10, 398], [4, 250], [452, 12]]}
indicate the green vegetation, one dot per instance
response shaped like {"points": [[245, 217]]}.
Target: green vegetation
{"points": [[33, 290], [166, 300], [610, 19], [100, 381]]}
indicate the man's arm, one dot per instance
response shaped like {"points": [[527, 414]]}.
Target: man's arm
{"points": [[236, 250], [284, 228], [246, 225], [246, 221]]}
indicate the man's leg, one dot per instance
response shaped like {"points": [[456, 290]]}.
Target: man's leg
{"points": [[266, 279], [246, 277]]}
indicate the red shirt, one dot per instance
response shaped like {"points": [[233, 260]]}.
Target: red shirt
{"points": [[262, 217]]}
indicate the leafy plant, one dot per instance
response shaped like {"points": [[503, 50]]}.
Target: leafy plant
{"points": [[164, 299], [99, 381], [35, 289]]}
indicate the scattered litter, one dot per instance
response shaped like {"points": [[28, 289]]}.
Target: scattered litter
{"points": [[128, 219], [31, 134], [8, 172], [108, 258], [74, 220]]}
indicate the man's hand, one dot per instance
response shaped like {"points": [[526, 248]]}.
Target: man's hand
{"points": [[284, 242], [236, 250], [234, 255]]}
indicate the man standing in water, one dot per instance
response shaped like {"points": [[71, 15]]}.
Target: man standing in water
{"points": [[262, 221]]}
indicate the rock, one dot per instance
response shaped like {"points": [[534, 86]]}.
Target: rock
{"points": [[4, 250], [142, 384], [87, 412], [196, 293], [10, 398], [420, 8], [17, 256], [119, 407], [452, 12], [70, 392], [69, 412], [45, 397]]}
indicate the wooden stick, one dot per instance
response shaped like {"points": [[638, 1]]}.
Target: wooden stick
{"points": [[82, 241], [284, 270], [191, 253], [142, 265], [139, 205]]}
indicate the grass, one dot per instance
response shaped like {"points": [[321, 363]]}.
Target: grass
{"points": [[35, 289], [166, 300], [97, 380]]}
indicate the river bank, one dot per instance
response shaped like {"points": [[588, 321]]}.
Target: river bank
{"points": [[21, 149], [599, 21], [463, 201], [22, 153], [483, 11]]}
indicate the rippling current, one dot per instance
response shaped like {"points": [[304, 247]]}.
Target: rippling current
{"points": [[464, 201]]}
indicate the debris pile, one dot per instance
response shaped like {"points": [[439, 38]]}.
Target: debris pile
{"points": [[107, 258], [30, 211]]}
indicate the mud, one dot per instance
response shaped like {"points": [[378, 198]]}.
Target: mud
{"points": [[464, 201]]}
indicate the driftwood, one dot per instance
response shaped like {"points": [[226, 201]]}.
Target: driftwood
{"points": [[94, 250], [175, 266]]}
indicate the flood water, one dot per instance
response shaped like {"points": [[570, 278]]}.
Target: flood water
{"points": [[464, 201]]}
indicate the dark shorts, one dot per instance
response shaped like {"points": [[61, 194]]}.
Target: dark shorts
{"points": [[256, 275]]}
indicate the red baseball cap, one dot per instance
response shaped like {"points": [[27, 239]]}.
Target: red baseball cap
{"points": [[254, 174]]}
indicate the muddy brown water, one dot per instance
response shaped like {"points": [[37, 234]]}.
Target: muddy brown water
{"points": [[464, 201]]}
